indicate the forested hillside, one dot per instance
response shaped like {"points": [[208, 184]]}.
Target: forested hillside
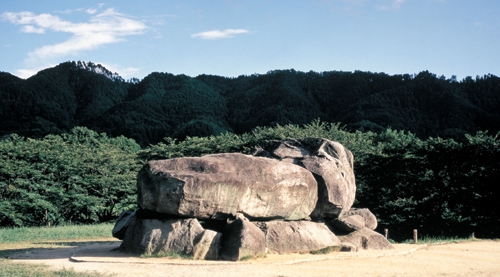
{"points": [[426, 148], [165, 105]]}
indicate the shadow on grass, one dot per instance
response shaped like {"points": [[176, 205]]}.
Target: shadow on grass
{"points": [[55, 250]]}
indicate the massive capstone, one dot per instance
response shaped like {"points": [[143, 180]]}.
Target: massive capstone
{"points": [[329, 162], [217, 186], [294, 195]]}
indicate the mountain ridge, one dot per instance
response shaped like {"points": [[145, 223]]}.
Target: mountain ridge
{"points": [[166, 105]]}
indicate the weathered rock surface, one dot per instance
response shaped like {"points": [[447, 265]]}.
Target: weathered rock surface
{"points": [[349, 223], [329, 161], [181, 236], [369, 218], [242, 238], [122, 222], [220, 185], [297, 236], [348, 247], [208, 247], [250, 205], [367, 239]]}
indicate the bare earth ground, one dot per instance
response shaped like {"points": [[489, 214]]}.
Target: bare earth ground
{"points": [[475, 258]]}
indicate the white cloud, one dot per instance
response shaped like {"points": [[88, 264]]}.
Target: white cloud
{"points": [[70, 11], [124, 72], [26, 73], [217, 34], [91, 11], [106, 27], [87, 10], [31, 29]]}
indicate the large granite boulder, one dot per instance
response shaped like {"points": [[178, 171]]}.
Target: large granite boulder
{"points": [[367, 239], [242, 239], [331, 164], [180, 236], [297, 236], [220, 185]]}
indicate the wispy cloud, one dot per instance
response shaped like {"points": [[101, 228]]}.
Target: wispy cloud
{"points": [[69, 11], [91, 11], [218, 34], [124, 72], [26, 73], [32, 29], [87, 10], [397, 3], [393, 5], [103, 28]]}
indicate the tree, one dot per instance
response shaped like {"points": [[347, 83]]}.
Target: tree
{"points": [[79, 177]]}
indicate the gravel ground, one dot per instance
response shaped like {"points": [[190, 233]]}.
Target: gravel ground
{"points": [[475, 258]]}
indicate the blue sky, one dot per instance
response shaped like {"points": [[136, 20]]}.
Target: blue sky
{"points": [[235, 37]]}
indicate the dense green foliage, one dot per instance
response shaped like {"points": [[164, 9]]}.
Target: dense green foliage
{"points": [[80, 177], [443, 187], [360, 143], [440, 186], [166, 105]]}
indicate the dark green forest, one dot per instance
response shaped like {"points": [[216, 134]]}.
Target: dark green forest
{"points": [[165, 105], [426, 148]]}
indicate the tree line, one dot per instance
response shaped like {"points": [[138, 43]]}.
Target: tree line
{"points": [[441, 186], [165, 105]]}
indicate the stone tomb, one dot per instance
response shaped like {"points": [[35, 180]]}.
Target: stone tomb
{"points": [[290, 196]]}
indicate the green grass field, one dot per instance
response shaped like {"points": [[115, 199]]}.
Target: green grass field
{"points": [[59, 233], [40, 237]]}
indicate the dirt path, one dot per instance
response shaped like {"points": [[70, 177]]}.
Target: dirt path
{"points": [[477, 258]]}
